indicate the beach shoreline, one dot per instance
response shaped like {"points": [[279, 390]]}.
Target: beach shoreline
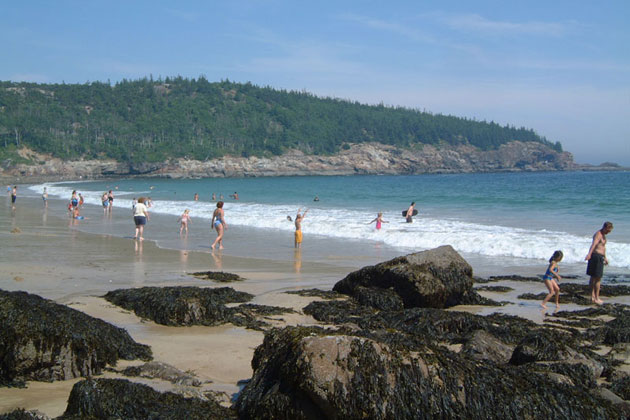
{"points": [[50, 255]]}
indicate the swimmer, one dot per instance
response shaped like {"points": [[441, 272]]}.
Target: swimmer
{"points": [[196, 197], [218, 222]]}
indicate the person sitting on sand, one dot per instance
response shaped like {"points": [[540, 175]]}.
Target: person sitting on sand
{"points": [[552, 278], [184, 219], [379, 220], [298, 227]]}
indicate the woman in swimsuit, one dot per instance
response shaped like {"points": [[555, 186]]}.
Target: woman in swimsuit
{"points": [[184, 219], [110, 198], [74, 200], [218, 222], [378, 220], [551, 279]]}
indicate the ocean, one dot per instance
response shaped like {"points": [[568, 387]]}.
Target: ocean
{"points": [[503, 219]]}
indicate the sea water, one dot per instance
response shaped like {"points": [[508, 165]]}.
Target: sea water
{"points": [[505, 217]]}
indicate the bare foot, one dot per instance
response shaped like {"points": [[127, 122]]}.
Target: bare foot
{"points": [[141, 238], [543, 305], [220, 246], [599, 302], [212, 246]]}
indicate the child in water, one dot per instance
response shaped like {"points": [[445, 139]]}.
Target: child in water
{"points": [[379, 220], [551, 279], [184, 219]]}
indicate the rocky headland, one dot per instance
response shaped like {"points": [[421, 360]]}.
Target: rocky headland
{"points": [[364, 158]]}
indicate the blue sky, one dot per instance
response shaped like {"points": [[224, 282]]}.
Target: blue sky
{"points": [[559, 67]]}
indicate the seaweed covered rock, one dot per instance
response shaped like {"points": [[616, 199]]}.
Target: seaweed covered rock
{"points": [[121, 399], [163, 371], [218, 276], [437, 278], [484, 346], [308, 373], [43, 341], [21, 414], [193, 306]]}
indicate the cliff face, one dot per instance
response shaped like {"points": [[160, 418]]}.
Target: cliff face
{"points": [[371, 158]]}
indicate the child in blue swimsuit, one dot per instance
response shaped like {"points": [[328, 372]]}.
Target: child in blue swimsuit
{"points": [[551, 279]]}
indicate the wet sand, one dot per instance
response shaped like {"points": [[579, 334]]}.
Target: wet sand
{"points": [[47, 255]]}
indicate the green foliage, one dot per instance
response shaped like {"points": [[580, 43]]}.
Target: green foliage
{"points": [[147, 120]]}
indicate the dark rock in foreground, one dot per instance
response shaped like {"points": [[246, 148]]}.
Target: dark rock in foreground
{"points": [[43, 341], [311, 373], [121, 399], [218, 276], [21, 414], [193, 306], [437, 278]]}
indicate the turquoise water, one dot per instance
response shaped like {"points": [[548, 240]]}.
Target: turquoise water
{"points": [[516, 215]]}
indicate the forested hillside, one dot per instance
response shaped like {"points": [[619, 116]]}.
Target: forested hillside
{"points": [[148, 120]]}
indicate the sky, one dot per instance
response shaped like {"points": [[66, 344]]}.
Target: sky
{"points": [[560, 67]]}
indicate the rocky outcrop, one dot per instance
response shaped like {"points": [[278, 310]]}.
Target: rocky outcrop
{"points": [[436, 278], [364, 158], [43, 341], [312, 373], [193, 306], [121, 399], [160, 370]]}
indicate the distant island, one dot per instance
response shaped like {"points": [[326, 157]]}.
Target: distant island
{"points": [[181, 127]]}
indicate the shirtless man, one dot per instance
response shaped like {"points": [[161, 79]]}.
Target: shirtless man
{"points": [[409, 214], [298, 227], [596, 258]]}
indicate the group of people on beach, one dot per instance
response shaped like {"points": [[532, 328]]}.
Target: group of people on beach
{"points": [[596, 258]]}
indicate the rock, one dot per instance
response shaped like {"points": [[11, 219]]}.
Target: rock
{"points": [[308, 373], [620, 352], [382, 299], [324, 294], [43, 341], [621, 386], [21, 414], [484, 346], [193, 306], [618, 330], [121, 399], [160, 370], [16, 230], [437, 278], [218, 276]]}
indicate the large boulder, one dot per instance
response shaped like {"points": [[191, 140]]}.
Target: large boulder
{"points": [[312, 373], [437, 278], [43, 341], [121, 399]]}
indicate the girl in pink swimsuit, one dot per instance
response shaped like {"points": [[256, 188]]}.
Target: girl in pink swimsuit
{"points": [[379, 220], [184, 219]]}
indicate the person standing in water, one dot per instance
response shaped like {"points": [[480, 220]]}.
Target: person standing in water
{"points": [[13, 196], [379, 220], [409, 214], [110, 199], [45, 197], [596, 258], [218, 223], [140, 217], [105, 202], [196, 197], [552, 278], [184, 219], [298, 227]]}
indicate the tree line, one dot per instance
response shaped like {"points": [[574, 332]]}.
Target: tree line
{"points": [[154, 120]]}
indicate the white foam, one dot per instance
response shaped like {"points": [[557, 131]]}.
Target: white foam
{"points": [[424, 233]]}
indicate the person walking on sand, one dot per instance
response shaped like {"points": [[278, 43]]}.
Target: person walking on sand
{"points": [[596, 258], [218, 223], [298, 227], [184, 219], [379, 220], [409, 214], [140, 217], [13, 196], [45, 197], [552, 278]]}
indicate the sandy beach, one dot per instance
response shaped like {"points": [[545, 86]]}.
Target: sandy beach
{"points": [[46, 253]]}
